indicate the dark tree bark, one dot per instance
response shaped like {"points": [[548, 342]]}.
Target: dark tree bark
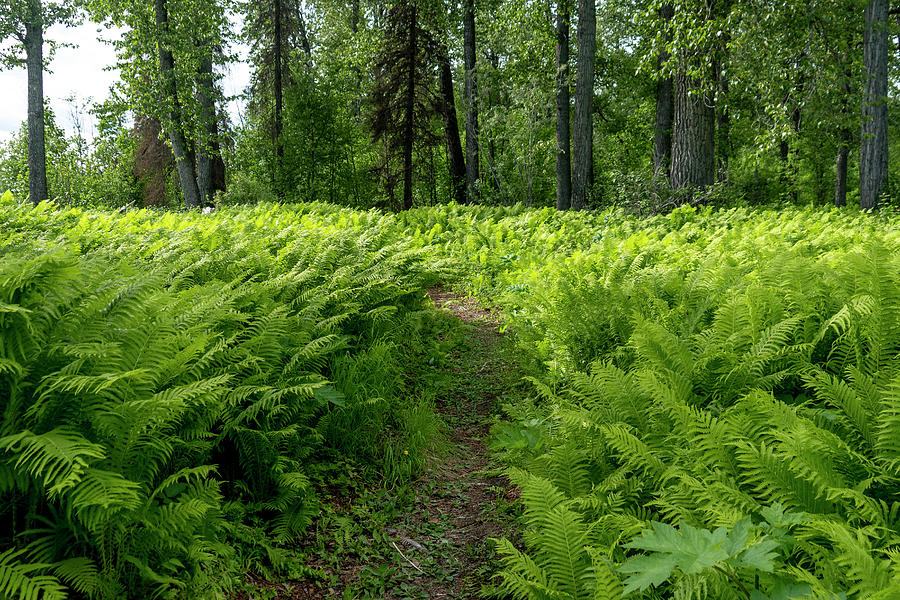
{"points": [[472, 158], [844, 139], [301, 30], [694, 136], [563, 143], [183, 159], [153, 160], [665, 109], [873, 160], [582, 151], [208, 145], [404, 99], [279, 93], [410, 108], [34, 62], [455, 157]]}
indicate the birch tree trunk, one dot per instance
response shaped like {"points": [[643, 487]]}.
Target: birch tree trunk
{"points": [[208, 141], [183, 158]]}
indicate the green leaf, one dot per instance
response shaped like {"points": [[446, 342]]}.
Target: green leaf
{"points": [[776, 516], [737, 539], [784, 591], [648, 571], [760, 556], [327, 394], [693, 549]]}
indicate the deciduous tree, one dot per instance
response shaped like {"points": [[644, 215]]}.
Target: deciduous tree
{"points": [[25, 22], [583, 142]]}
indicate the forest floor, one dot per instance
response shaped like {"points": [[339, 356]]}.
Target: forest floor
{"points": [[430, 538]]}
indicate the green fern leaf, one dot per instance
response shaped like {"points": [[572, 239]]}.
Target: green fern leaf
{"points": [[58, 459], [21, 580]]}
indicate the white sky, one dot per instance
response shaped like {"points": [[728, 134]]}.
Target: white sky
{"points": [[82, 71]]}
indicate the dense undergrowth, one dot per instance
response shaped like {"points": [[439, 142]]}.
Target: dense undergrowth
{"points": [[172, 384], [719, 416], [716, 410]]}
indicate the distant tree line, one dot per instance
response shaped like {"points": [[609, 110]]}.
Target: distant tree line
{"points": [[648, 103]]}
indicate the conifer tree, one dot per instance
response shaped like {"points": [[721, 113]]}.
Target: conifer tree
{"points": [[403, 98]]}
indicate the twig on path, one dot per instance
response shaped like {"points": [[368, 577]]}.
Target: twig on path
{"points": [[394, 544], [404, 539], [414, 543]]}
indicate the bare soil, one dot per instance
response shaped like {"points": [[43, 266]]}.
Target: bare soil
{"points": [[439, 545]]}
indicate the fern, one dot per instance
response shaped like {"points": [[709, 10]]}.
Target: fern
{"points": [[191, 360], [23, 580], [58, 459], [707, 370]]}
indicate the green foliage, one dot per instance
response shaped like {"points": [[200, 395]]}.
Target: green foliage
{"points": [[79, 173], [716, 415], [693, 551], [171, 378], [723, 380]]}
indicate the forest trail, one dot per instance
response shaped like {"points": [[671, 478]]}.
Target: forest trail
{"points": [[435, 542]]}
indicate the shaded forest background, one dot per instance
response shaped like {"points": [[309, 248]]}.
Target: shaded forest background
{"points": [[417, 102]]}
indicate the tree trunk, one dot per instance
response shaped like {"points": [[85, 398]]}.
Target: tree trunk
{"points": [[563, 144], [34, 60], [723, 117], [796, 123], [845, 137], [584, 98], [665, 108], [410, 108], [694, 136], [873, 160], [472, 158], [304, 36], [354, 27], [723, 128], [208, 140], [455, 157], [183, 159], [279, 97], [153, 160], [840, 180]]}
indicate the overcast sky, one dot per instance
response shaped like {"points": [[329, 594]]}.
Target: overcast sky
{"points": [[80, 71]]}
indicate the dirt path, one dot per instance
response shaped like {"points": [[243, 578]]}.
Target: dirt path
{"points": [[431, 539]]}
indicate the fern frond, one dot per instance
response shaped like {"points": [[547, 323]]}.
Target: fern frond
{"points": [[563, 554], [82, 575], [522, 577], [770, 476], [22, 580], [57, 459]]}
